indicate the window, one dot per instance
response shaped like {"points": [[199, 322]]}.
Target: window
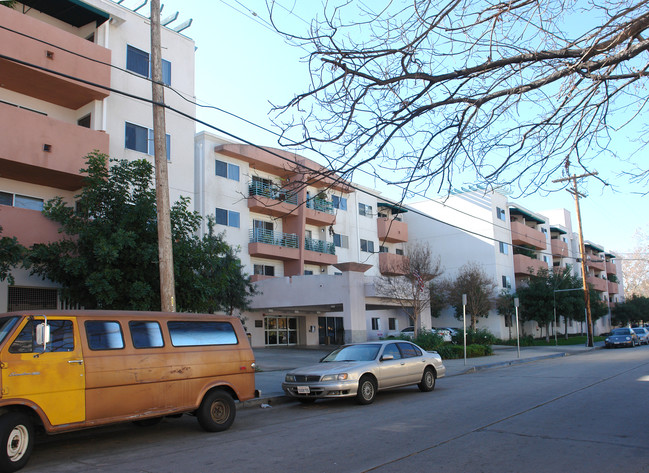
{"points": [[500, 213], [367, 246], [308, 272], [228, 170], [376, 323], [139, 138], [339, 202], [504, 248], [264, 270], [408, 350], [392, 323], [228, 218], [383, 249], [84, 121], [507, 284], [146, 334], [24, 202], [61, 337], [104, 335], [6, 198], [341, 241], [392, 349], [138, 61], [399, 251], [365, 210], [189, 333]]}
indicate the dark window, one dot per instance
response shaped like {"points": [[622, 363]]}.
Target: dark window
{"points": [[104, 335], [146, 334], [375, 323], [408, 350], [503, 247], [137, 138], [308, 272], [393, 350], [166, 72], [339, 202], [392, 323], [383, 249], [500, 213], [367, 246], [138, 61], [264, 270], [187, 333], [221, 168], [399, 251], [228, 217], [365, 210], [6, 198], [84, 121], [61, 337]]}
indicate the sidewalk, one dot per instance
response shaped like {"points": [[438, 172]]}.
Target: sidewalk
{"points": [[273, 363]]}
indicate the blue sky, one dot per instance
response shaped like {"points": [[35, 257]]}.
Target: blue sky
{"points": [[242, 67]]}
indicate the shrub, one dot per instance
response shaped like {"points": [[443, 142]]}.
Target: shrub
{"points": [[453, 352], [475, 337], [428, 340]]}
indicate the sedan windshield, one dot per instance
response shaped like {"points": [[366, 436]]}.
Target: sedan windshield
{"points": [[639, 330], [366, 352]]}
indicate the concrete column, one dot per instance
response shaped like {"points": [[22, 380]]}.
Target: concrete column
{"points": [[354, 316]]}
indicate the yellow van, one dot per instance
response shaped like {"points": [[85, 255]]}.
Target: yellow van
{"points": [[69, 370]]}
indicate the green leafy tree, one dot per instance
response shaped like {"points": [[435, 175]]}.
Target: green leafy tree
{"points": [[109, 256], [505, 307], [634, 310], [479, 289], [11, 255]]}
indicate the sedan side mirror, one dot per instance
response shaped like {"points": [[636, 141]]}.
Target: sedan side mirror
{"points": [[387, 357]]}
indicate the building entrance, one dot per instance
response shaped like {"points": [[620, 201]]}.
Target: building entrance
{"points": [[280, 330], [331, 331]]}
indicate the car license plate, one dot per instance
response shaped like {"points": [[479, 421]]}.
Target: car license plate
{"points": [[303, 390]]}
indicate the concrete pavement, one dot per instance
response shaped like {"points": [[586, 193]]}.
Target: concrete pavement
{"points": [[273, 363]]}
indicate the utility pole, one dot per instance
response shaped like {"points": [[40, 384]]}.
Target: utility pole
{"points": [[165, 250], [582, 251]]}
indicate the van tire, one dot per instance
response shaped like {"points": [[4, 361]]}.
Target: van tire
{"points": [[217, 411], [16, 441]]}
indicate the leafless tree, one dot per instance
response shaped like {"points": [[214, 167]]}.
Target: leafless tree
{"points": [[409, 281], [479, 288], [635, 268], [510, 93]]}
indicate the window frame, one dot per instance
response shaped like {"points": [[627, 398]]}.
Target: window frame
{"points": [[229, 214], [368, 247]]}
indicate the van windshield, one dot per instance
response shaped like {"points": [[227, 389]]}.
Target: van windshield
{"points": [[6, 324]]}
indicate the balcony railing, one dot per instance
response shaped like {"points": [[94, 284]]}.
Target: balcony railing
{"points": [[320, 205], [272, 192], [320, 246], [260, 235]]}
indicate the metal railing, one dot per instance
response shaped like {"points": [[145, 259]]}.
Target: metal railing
{"points": [[271, 191], [261, 235], [320, 246], [321, 205]]}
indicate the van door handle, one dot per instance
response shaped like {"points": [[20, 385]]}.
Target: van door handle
{"points": [[76, 361]]}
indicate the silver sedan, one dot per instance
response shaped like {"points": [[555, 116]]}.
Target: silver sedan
{"points": [[361, 370]]}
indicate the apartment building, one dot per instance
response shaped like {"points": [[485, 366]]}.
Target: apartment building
{"points": [[313, 243], [511, 243], [74, 77]]}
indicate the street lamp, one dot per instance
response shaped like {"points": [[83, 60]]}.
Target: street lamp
{"points": [[518, 341]]}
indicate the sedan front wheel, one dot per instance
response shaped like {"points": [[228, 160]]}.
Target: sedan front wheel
{"points": [[366, 390]]}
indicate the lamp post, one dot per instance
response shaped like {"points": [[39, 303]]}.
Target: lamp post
{"points": [[518, 341], [464, 324]]}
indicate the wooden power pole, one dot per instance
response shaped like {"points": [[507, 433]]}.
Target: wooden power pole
{"points": [[165, 250], [582, 251]]}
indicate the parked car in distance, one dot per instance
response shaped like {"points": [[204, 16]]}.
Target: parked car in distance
{"points": [[643, 335], [443, 332], [361, 370], [621, 337]]}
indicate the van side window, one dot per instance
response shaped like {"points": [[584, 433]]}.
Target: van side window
{"points": [[61, 337], [146, 334], [104, 335], [184, 334]]}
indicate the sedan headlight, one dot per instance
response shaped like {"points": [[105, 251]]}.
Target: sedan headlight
{"points": [[290, 378], [628, 338], [335, 377]]}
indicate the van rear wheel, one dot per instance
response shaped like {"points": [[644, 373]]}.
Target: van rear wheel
{"points": [[217, 411], [16, 441]]}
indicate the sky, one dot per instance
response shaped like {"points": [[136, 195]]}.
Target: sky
{"points": [[244, 67]]}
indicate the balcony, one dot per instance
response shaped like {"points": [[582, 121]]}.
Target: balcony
{"points": [[611, 268], [319, 252], [524, 235], [595, 263], [270, 200], [275, 245], [392, 265], [613, 288], [41, 150], [391, 230], [559, 248], [28, 226], [528, 266], [320, 212], [45, 85], [599, 284]]}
